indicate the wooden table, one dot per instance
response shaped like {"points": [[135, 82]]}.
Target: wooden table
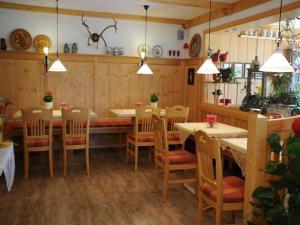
{"points": [[130, 113], [56, 114], [238, 148], [7, 163]]}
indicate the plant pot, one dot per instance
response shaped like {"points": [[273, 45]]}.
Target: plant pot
{"points": [[154, 104], [48, 105], [216, 99]]}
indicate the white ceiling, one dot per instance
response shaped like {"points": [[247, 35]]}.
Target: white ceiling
{"points": [[134, 7]]}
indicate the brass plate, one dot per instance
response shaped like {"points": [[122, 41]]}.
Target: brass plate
{"points": [[40, 42], [20, 39]]}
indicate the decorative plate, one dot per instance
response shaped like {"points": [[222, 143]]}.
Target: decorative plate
{"points": [[157, 51], [195, 46], [40, 42], [141, 48], [20, 39]]}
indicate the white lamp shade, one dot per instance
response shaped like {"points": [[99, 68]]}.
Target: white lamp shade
{"points": [[145, 70], [208, 67], [57, 66], [277, 63]]}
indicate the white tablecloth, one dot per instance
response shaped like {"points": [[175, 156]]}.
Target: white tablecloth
{"points": [[56, 114], [7, 164], [238, 148], [126, 113]]}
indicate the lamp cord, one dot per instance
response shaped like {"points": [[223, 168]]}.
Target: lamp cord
{"points": [[146, 8], [279, 38], [56, 28], [209, 49]]}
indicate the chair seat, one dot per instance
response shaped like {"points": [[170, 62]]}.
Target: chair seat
{"points": [[142, 137], [38, 142], [174, 137], [233, 190], [179, 157], [75, 140]]}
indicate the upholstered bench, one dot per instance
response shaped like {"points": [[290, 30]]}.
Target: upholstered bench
{"points": [[104, 132]]}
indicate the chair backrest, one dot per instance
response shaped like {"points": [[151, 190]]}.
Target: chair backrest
{"points": [[143, 119], [209, 164], [4, 102], [176, 114], [37, 122], [161, 141], [76, 121], [1, 129]]}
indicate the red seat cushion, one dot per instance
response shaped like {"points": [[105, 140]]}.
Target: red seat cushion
{"points": [[75, 140], [142, 137], [173, 137], [179, 157], [38, 142], [233, 190]]}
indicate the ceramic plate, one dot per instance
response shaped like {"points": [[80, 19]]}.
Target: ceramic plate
{"points": [[141, 48], [195, 46], [40, 42], [157, 51], [20, 39]]}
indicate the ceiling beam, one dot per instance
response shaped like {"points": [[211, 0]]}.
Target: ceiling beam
{"points": [[194, 3], [73, 12], [236, 7]]}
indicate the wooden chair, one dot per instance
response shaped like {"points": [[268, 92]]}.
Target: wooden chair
{"points": [[76, 123], [221, 193], [175, 114], [143, 134], [37, 134], [170, 161]]}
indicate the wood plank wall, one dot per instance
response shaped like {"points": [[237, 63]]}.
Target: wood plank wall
{"points": [[98, 82]]}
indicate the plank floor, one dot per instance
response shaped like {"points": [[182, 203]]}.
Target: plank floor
{"points": [[112, 195]]}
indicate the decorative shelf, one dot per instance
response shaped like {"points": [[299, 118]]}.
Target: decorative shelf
{"points": [[212, 82], [259, 37]]}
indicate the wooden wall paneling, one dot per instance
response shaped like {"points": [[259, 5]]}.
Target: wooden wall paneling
{"points": [[260, 50], [75, 86], [243, 49], [226, 42], [251, 46], [268, 49], [23, 82], [234, 48]]}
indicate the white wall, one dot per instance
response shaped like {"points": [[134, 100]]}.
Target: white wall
{"points": [[129, 35]]}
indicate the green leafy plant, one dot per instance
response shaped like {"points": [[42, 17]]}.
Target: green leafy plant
{"points": [[279, 203], [154, 98], [48, 97], [228, 74], [218, 92], [281, 83], [255, 101]]}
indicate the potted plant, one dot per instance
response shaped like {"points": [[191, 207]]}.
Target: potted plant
{"points": [[217, 93], [279, 202], [48, 100], [154, 100], [228, 74]]}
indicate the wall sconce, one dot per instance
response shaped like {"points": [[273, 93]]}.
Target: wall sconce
{"points": [[46, 60]]}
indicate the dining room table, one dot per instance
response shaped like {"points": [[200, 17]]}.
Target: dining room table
{"points": [[130, 113], [57, 114], [7, 163]]}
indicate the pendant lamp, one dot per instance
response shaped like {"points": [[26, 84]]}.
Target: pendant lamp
{"points": [[57, 66], [277, 63], [208, 67], [144, 68]]}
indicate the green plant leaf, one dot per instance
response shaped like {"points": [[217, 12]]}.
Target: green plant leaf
{"points": [[263, 193], [276, 169], [274, 143]]}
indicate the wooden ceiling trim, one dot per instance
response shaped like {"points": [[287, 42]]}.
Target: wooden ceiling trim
{"points": [[73, 12], [236, 7], [272, 12], [194, 3]]}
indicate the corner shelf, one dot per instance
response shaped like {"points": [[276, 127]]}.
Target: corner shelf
{"points": [[254, 37]]}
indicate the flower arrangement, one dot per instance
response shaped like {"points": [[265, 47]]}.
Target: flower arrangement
{"points": [[48, 97], [154, 98], [211, 120], [218, 92]]}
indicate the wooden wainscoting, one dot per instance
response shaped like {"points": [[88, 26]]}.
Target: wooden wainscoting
{"points": [[98, 82]]}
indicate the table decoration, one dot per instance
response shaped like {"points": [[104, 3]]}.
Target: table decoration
{"points": [[139, 105], [211, 120], [154, 100], [48, 100]]}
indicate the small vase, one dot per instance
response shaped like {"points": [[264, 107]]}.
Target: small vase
{"points": [[154, 104], [48, 105], [66, 48], [3, 44], [74, 48]]}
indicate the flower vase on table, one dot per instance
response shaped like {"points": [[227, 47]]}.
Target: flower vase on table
{"points": [[48, 100], [154, 100], [211, 120]]}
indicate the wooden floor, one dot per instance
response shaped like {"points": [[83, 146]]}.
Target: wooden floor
{"points": [[113, 194]]}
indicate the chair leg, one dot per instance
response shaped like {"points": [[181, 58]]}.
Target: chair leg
{"points": [[127, 151], [199, 211], [156, 177], [219, 213], [136, 157], [26, 163], [65, 162], [87, 160], [166, 184], [51, 162]]}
